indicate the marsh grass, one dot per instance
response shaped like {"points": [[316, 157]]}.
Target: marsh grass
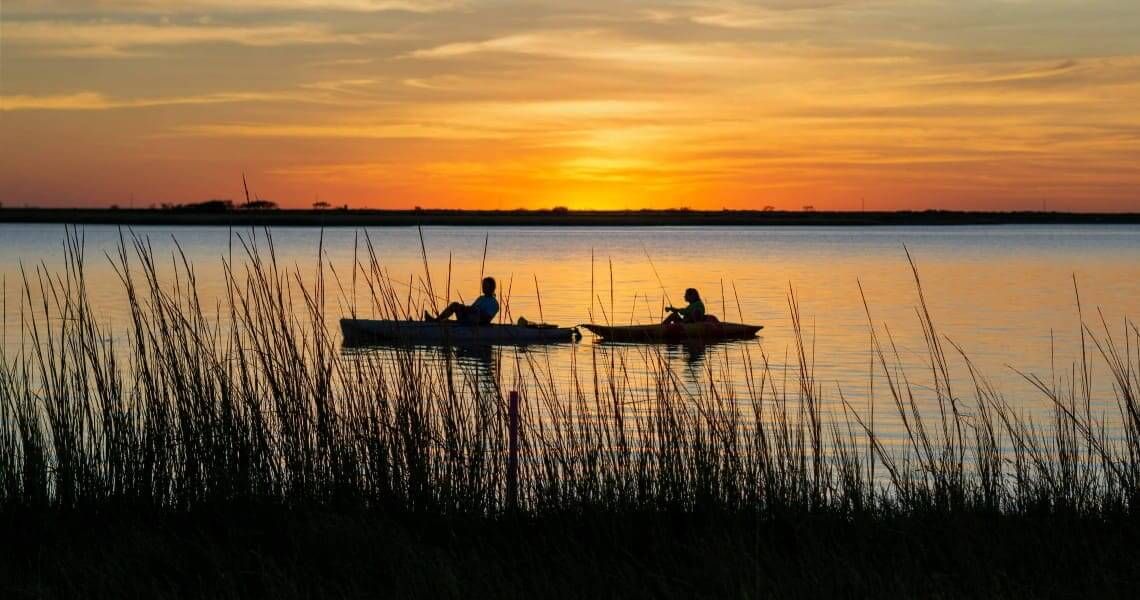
{"points": [[294, 468], [251, 401]]}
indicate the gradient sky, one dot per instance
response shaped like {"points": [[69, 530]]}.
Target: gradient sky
{"points": [[963, 104]]}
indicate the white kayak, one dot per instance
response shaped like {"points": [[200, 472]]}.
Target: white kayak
{"points": [[366, 331]]}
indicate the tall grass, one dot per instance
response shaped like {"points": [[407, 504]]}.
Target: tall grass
{"points": [[251, 401]]}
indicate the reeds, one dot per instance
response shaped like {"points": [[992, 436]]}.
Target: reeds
{"points": [[252, 401]]}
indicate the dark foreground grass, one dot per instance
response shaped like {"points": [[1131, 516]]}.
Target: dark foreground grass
{"points": [[228, 552], [233, 450]]}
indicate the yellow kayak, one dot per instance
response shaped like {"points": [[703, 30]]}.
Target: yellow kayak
{"points": [[675, 332]]}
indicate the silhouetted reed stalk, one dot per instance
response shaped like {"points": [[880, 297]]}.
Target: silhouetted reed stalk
{"points": [[253, 401]]}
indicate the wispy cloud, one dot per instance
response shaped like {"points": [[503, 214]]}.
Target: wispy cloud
{"points": [[771, 15], [225, 6], [605, 47], [95, 101], [108, 38], [345, 131]]}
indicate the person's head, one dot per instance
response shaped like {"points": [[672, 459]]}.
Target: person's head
{"points": [[691, 295], [488, 285]]}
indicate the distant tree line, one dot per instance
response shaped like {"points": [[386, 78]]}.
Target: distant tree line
{"points": [[220, 206]]}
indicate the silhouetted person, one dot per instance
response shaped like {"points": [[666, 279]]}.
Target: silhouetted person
{"points": [[480, 312], [693, 313]]}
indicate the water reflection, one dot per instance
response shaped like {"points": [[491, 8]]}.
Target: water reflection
{"points": [[1004, 294], [694, 361], [475, 365]]}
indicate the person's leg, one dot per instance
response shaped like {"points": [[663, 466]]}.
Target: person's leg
{"points": [[468, 316], [452, 309], [672, 318]]}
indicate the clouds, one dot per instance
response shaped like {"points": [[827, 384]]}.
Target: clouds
{"points": [[225, 6], [104, 39], [703, 102], [85, 101]]}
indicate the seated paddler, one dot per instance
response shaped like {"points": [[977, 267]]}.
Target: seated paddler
{"points": [[694, 312], [480, 312]]}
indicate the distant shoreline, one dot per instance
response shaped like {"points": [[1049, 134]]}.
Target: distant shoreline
{"points": [[491, 218]]}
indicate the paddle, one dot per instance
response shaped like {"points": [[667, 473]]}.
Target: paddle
{"points": [[659, 282]]}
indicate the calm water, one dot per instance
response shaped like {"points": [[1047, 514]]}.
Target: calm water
{"points": [[1005, 294]]}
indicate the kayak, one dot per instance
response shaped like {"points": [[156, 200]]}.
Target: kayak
{"points": [[675, 332], [366, 331]]}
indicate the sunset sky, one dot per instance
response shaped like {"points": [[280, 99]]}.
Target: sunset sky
{"points": [[962, 104]]}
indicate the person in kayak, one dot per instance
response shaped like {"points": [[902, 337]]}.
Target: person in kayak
{"points": [[480, 312], [693, 313]]}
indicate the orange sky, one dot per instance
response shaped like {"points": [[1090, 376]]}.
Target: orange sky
{"points": [[962, 104]]}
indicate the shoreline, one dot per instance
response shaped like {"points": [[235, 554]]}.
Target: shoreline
{"points": [[547, 218]]}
